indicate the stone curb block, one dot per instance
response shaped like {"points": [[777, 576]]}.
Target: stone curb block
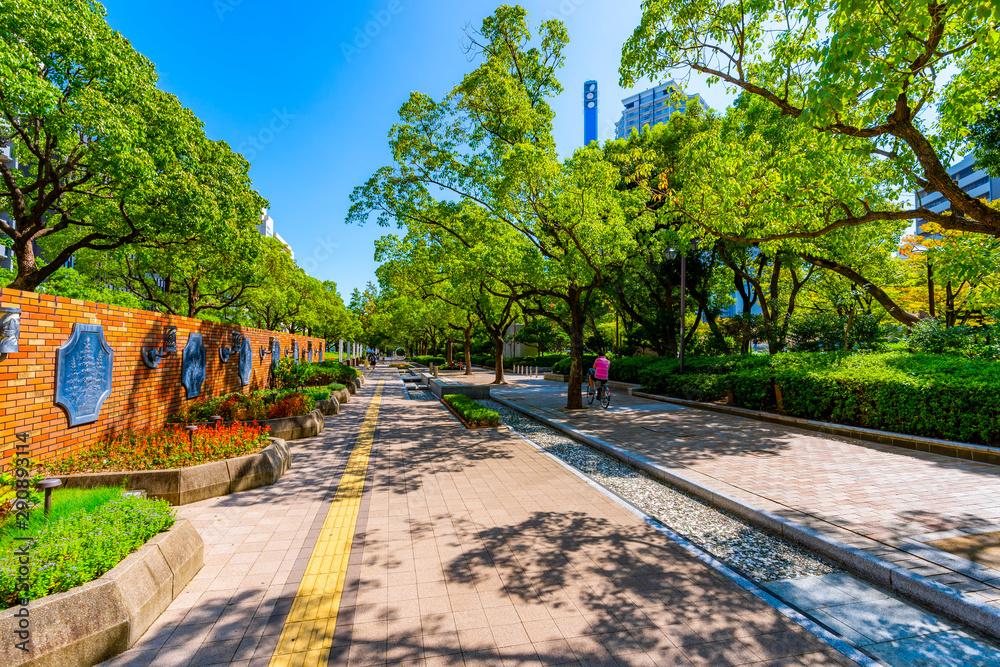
{"points": [[959, 450], [331, 406], [474, 391], [343, 396], [102, 618], [181, 486], [942, 599]]}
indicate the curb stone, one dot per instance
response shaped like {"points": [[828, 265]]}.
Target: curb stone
{"points": [[182, 486]]}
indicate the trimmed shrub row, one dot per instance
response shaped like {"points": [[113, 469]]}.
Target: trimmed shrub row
{"points": [[927, 395], [428, 360], [471, 411]]}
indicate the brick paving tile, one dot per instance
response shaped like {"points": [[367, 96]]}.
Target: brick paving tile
{"points": [[471, 548], [505, 557], [231, 611], [874, 497]]}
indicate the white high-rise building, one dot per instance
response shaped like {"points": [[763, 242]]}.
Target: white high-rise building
{"points": [[266, 228]]}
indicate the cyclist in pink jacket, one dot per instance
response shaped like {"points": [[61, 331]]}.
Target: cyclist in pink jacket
{"points": [[601, 367]]}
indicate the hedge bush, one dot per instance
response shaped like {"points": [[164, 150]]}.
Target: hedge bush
{"points": [[471, 411], [626, 369], [428, 360], [562, 367], [938, 396], [329, 371]]}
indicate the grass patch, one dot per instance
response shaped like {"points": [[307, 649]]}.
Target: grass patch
{"points": [[163, 449], [471, 411], [64, 503], [72, 549]]}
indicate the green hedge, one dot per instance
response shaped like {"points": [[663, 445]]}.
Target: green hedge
{"points": [[562, 367], [627, 369], [428, 360], [544, 361], [936, 396], [329, 371], [471, 411]]}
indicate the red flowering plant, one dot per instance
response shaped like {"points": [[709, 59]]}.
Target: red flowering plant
{"points": [[170, 447], [291, 405]]}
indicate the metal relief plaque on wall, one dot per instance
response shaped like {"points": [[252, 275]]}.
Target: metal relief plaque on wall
{"points": [[246, 362], [275, 355], [193, 365], [295, 350], [84, 374]]}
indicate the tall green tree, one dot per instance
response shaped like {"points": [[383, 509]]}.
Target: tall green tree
{"points": [[861, 76], [482, 166], [103, 159]]}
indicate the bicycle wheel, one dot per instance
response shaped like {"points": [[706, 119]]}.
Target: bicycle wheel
{"points": [[606, 398], [591, 392]]}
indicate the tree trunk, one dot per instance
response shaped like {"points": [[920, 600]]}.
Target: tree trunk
{"points": [[451, 352], [28, 277], [574, 397], [930, 289], [468, 351], [498, 359]]}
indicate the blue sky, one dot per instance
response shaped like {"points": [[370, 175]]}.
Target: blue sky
{"points": [[290, 90]]}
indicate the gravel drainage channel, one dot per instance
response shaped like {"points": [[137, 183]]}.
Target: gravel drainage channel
{"points": [[894, 632]]}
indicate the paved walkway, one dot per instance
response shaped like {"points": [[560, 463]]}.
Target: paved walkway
{"points": [[464, 548], [888, 501]]}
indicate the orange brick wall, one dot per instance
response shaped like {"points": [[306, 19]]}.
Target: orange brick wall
{"points": [[140, 396]]}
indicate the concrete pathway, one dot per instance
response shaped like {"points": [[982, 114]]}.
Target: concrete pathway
{"points": [[888, 501], [463, 548]]}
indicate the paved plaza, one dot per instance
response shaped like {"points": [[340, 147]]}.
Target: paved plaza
{"points": [[891, 502], [398, 537]]}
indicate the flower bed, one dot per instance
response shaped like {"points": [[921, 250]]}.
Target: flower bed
{"points": [[472, 413], [75, 549], [166, 448], [256, 406]]}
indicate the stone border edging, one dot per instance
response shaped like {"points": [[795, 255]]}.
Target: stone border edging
{"points": [[330, 406], [181, 486], [102, 618], [957, 450], [942, 599]]}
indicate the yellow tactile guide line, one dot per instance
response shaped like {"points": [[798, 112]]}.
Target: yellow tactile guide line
{"points": [[307, 636]]}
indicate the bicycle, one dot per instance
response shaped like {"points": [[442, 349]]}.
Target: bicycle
{"points": [[603, 394]]}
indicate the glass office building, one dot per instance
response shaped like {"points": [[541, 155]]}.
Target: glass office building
{"points": [[976, 182], [652, 107]]}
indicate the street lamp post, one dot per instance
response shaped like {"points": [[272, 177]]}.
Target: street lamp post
{"points": [[671, 254]]}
